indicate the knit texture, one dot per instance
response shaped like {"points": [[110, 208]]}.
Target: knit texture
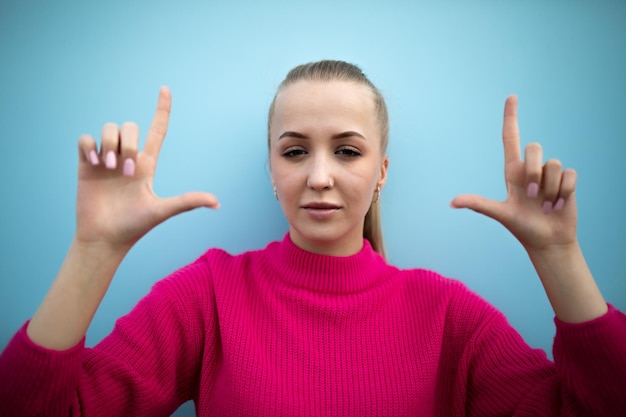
{"points": [[284, 332]]}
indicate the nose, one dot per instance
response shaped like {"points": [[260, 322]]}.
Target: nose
{"points": [[320, 174]]}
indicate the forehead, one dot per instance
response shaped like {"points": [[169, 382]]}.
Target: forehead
{"points": [[329, 102]]}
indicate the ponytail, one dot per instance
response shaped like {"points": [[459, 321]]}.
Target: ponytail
{"points": [[373, 230]]}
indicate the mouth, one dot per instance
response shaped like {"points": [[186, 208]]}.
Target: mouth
{"points": [[321, 206], [321, 211]]}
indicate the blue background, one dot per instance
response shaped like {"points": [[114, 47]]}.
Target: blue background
{"points": [[444, 67]]}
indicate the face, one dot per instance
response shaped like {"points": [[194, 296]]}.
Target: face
{"points": [[326, 162]]}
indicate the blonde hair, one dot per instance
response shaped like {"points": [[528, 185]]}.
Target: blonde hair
{"points": [[325, 71]]}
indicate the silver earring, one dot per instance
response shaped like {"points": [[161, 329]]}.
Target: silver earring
{"points": [[275, 193], [376, 194]]}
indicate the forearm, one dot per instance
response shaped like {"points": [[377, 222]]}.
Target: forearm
{"points": [[568, 282], [67, 310]]}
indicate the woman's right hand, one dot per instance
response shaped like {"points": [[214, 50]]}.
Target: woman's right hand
{"points": [[116, 204]]}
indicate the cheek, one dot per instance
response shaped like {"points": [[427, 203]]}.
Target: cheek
{"points": [[286, 180], [363, 178], [359, 186], [277, 168]]}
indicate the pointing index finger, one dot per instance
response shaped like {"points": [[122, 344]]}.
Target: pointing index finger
{"points": [[510, 131], [160, 121]]}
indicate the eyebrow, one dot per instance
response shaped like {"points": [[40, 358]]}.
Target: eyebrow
{"points": [[299, 135]]}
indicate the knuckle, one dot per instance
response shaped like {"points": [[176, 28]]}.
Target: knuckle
{"points": [[551, 189], [571, 174], [571, 171], [128, 149], [110, 134], [534, 170], [130, 126], [554, 165], [533, 176], [533, 147], [110, 126], [126, 145], [129, 135], [85, 140], [158, 129]]}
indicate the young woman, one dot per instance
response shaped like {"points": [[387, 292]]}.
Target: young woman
{"points": [[317, 324]]}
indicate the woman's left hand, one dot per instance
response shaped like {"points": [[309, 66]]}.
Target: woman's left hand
{"points": [[540, 208]]}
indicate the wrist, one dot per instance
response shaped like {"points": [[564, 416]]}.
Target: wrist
{"points": [[555, 251], [98, 250], [568, 282]]}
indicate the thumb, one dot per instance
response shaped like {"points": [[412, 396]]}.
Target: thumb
{"points": [[482, 205], [172, 206]]}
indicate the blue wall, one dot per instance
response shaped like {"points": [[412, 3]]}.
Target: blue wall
{"points": [[68, 67]]}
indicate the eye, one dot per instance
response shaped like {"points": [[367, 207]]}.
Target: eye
{"points": [[293, 152], [348, 152]]}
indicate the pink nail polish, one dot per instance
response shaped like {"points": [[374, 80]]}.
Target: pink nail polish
{"points": [[111, 161], [93, 158], [547, 207], [560, 203], [129, 167], [533, 190]]}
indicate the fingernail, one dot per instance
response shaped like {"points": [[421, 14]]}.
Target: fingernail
{"points": [[129, 167], [110, 161], [533, 190], [547, 207], [560, 203], [93, 158]]}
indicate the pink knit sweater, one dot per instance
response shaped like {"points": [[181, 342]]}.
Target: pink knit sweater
{"points": [[284, 332]]}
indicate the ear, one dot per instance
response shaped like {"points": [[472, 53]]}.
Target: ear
{"points": [[383, 172]]}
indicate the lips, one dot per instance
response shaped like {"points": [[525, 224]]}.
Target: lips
{"points": [[321, 206], [321, 210]]}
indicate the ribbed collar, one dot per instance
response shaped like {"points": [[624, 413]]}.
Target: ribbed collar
{"points": [[324, 273]]}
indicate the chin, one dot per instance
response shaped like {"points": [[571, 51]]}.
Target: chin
{"points": [[329, 235], [323, 234]]}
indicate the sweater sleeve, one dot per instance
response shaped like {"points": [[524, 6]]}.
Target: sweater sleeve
{"points": [[507, 377], [148, 366], [590, 360]]}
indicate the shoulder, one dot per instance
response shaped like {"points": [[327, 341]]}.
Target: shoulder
{"points": [[429, 283], [212, 261], [451, 297], [217, 261]]}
